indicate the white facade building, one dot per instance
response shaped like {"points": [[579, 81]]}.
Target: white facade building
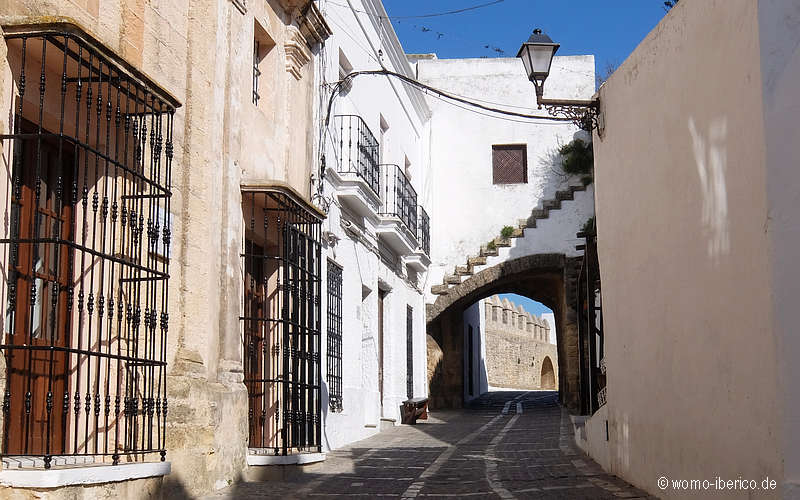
{"points": [[470, 208], [375, 182]]}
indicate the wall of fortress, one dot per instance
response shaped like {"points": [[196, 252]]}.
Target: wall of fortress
{"points": [[519, 352]]}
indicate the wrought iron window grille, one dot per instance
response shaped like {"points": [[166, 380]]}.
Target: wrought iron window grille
{"points": [[399, 197], [357, 150], [334, 354], [281, 322], [424, 231], [87, 251], [256, 71]]}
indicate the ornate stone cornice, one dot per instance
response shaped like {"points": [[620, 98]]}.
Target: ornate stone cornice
{"points": [[297, 53]]}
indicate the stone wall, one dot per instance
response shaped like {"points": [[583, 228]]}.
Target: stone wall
{"points": [[519, 353], [201, 52]]}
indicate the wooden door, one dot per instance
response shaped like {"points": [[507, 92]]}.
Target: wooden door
{"points": [[38, 377]]}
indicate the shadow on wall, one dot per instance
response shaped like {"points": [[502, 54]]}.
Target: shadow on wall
{"points": [[549, 168]]}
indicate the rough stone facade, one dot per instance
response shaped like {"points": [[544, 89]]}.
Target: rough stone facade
{"points": [[519, 353], [202, 53]]}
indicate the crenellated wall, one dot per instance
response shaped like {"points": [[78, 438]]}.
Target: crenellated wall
{"points": [[518, 347]]}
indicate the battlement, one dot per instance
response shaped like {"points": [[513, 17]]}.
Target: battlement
{"points": [[502, 314]]}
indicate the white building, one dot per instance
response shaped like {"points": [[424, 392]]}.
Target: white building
{"points": [[478, 193], [376, 184]]}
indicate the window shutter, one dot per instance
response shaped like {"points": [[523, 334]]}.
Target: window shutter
{"points": [[510, 164]]}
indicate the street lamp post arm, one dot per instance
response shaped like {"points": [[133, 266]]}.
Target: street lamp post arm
{"points": [[582, 113]]}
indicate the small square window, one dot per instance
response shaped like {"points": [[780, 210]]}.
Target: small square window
{"points": [[510, 164]]}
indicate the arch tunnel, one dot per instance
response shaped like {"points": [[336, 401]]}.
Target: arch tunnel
{"points": [[550, 279]]}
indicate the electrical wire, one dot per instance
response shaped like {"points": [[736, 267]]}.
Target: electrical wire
{"points": [[428, 88], [423, 16]]}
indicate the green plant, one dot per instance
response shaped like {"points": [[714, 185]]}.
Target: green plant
{"points": [[577, 158], [506, 232], [491, 245], [589, 227]]}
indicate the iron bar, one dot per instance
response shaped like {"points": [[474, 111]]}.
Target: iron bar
{"points": [[357, 150], [399, 197], [281, 322], [90, 192]]}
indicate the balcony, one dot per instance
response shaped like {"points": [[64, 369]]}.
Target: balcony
{"points": [[356, 174], [424, 231], [398, 214], [420, 259]]}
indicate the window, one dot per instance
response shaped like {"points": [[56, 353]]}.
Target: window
{"points": [[262, 45], [409, 352], [345, 68], [510, 164], [383, 140], [334, 367], [280, 321], [87, 247]]}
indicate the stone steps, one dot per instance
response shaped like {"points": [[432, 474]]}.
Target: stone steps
{"points": [[465, 271]]}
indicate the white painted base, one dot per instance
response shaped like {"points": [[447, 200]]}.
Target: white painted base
{"points": [[299, 459], [95, 474]]}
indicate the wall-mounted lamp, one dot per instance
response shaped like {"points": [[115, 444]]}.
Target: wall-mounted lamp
{"points": [[537, 57]]}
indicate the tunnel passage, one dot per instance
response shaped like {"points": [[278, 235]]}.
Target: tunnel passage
{"points": [[547, 278]]}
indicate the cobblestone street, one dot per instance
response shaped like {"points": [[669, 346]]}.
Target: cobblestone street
{"points": [[505, 445]]}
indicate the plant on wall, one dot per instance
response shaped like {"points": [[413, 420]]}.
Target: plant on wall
{"points": [[506, 232], [577, 158], [589, 227]]}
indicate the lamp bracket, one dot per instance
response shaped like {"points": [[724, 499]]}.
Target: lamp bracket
{"points": [[581, 113]]}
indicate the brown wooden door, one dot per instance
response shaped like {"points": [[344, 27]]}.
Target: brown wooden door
{"points": [[38, 378], [381, 299]]}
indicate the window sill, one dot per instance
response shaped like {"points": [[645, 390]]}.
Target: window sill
{"points": [[82, 474], [253, 458]]}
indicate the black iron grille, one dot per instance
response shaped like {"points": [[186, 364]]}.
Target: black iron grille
{"points": [[281, 323], [256, 72], [87, 249], [399, 197], [334, 366], [424, 231], [357, 150]]}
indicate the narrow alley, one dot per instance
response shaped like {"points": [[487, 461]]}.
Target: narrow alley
{"points": [[504, 445]]}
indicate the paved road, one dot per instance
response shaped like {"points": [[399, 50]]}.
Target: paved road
{"points": [[505, 445]]}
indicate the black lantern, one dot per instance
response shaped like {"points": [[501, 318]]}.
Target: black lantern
{"points": [[537, 56]]}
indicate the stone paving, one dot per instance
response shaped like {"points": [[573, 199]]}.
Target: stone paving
{"points": [[504, 445]]}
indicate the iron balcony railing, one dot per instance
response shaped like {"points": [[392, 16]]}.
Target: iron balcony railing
{"points": [[398, 196], [424, 231], [357, 149]]}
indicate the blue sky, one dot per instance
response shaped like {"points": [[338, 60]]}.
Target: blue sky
{"points": [[608, 30], [531, 306]]}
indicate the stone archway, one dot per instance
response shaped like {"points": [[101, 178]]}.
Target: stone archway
{"points": [[548, 378], [549, 279]]}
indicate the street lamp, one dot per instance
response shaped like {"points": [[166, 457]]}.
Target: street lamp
{"points": [[537, 57]]}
